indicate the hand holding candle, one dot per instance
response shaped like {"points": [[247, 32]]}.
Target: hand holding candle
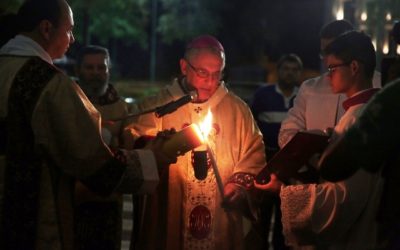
{"points": [[157, 144], [183, 141], [191, 137]]}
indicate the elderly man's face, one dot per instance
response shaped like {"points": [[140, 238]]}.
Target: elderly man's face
{"points": [[203, 73], [94, 74]]}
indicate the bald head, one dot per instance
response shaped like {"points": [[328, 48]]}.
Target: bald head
{"points": [[49, 23], [205, 43], [32, 12]]}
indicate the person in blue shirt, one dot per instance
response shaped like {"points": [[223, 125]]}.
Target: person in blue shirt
{"points": [[272, 102], [270, 106]]}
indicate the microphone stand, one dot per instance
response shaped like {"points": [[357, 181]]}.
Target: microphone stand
{"points": [[163, 109]]}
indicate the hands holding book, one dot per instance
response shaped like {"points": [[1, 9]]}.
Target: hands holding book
{"points": [[273, 186], [287, 164]]}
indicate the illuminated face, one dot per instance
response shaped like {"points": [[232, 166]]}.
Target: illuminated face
{"points": [[340, 75], [289, 74], [60, 37], [94, 74], [203, 71]]}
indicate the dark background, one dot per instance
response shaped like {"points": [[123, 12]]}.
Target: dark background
{"points": [[255, 33], [146, 38]]}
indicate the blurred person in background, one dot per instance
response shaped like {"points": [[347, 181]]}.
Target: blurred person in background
{"points": [[98, 220], [272, 102], [270, 106]]}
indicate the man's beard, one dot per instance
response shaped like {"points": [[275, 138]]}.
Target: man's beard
{"points": [[95, 87], [288, 84]]}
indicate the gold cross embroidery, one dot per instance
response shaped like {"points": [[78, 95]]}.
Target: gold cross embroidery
{"points": [[198, 110]]}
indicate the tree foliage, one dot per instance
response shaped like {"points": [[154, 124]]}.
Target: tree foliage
{"points": [[184, 19], [177, 20], [129, 20], [9, 6], [118, 19]]}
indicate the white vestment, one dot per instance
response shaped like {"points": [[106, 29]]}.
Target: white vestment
{"points": [[187, 212]]}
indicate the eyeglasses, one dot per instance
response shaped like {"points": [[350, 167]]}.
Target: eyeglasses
{"points": [[204, 73], [333, 67]]}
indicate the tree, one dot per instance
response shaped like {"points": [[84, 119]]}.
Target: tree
{"points": [[107, 20], [184, 19], [9, 6], [129, 20]]}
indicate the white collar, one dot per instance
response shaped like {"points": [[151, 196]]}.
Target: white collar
{"points": [[286, 99], [22, 45], [215, 99], [294, 92]]}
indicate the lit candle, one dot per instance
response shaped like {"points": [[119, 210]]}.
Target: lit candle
{"points": [[191, 137], [205, 128], [216, 172], [183, 141]]}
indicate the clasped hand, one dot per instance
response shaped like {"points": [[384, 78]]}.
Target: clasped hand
{"points": [[273, 186], [234, 196]]}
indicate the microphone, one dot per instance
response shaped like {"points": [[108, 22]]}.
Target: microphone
{"points": [[174, 105]]}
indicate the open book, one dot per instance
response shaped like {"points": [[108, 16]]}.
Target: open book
{"points": [[286, 163]]}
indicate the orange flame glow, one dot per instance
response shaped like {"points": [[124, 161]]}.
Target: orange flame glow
{"points": [[204, 127]]}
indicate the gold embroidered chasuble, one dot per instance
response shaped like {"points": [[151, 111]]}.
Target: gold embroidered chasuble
{"points": [[186, 213]]}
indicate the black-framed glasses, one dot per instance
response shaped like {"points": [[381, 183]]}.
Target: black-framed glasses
{"points": [[333, 67], [202, 73]]}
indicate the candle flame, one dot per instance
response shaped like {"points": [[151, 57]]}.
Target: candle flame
{"points": [[198, 132], [204, 127]]}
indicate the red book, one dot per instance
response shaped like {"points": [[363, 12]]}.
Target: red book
{"points": [[286, 163]]}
